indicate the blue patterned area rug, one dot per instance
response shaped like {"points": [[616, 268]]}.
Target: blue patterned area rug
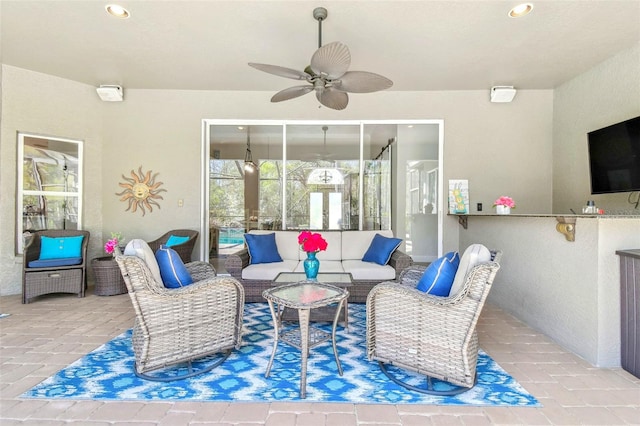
{"points": [[107, 374]]}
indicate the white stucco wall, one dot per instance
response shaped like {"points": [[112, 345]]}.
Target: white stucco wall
{"points": [[50, 106], [604, 95], [570, 291]]}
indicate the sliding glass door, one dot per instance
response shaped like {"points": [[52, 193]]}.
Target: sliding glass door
{"points": [[336, 175]]}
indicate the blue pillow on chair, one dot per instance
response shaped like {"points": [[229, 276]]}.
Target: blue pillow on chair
{"points": [[262, 248], [60, 247], [174, 240], [438, 277], [173, 272], [381, 249]]}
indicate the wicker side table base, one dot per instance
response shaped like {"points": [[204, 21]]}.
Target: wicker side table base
{"points": [[109, 281]]}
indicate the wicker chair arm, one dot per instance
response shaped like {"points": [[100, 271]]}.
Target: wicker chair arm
{"points": [[411, 275], [236, 262], [200, 270], [399, 261]]}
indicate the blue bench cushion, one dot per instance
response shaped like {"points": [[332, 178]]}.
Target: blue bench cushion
{"points": [[50, 263]]}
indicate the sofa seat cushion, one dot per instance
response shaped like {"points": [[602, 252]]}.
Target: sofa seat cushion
{"points": [[356, 243], [368, 271], [268, 271], [325, 266]]}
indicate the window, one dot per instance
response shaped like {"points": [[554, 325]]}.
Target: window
{"points": [[49, 190]]}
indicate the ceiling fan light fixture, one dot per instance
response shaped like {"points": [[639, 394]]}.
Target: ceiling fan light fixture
{"points": [[521, 10], [327, 73]]}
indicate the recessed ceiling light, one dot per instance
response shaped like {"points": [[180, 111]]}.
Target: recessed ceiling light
{"points": [[521, 10], [117, 11]]}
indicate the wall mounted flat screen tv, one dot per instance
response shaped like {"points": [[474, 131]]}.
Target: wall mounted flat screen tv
{"points": [[614, 157]]}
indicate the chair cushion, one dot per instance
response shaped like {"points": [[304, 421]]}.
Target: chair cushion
{"points": [[438, 277], [174, 240], [141, 249], [50, 263], [381, 249], [262, 248], [368, 271], [174, 273], [60, 247], [473, 255]]}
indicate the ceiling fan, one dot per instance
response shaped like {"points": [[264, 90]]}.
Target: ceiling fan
{"points": [[327, 74]]}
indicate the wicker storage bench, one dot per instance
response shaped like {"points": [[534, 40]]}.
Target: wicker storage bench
{"points": [[345, 251]]}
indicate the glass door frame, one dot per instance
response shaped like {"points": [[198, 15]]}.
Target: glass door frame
{"points": [[206, 153]]}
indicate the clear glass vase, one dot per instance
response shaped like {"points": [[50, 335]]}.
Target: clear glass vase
{"points": [[311, 266]]}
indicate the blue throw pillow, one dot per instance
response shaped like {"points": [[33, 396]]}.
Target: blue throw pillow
{"points": [[60, 247], [438, 277], [262, 248], [173, 272], [174, 240], [381, 249]]}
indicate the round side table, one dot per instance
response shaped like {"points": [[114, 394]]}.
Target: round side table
{"points": [[109, 281]]}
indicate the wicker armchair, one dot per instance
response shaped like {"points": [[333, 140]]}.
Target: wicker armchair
{"points": [[430, 335], [37, 281], [175, 326], [184, 250]]}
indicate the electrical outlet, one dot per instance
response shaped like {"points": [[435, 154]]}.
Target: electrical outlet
{"points": [[180, 202], [479, 206]]}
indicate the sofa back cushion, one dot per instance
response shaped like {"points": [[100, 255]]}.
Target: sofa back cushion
{"points": [[334, 246], [286, 241], [356, 243]]}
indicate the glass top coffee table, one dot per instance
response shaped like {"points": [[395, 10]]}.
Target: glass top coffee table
{"points": [[326, 313], [303, 296]]}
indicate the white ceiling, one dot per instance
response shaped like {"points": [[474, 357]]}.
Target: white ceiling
{"points": [[420, 45]]}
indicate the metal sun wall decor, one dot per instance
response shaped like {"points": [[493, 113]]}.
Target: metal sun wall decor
{"points": [[141, 191]]}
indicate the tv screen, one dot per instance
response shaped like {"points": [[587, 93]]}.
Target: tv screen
{"points": [[614, 157]]}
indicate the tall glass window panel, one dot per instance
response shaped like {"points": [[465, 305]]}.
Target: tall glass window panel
{"points": [[267, 148], [227, 189], [379, 141], [49, 185], [418, 156], [324, 160]]}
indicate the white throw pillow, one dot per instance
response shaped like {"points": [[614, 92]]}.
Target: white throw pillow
{"points": [[473, 255], [141, 249]]}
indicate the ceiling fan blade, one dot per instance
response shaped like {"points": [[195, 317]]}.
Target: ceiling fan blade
{"points": [[290, 93], [280, 71], [331, 60], [362, 82], [332, 98]]}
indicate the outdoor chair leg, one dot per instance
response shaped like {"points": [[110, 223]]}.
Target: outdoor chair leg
{"points": [[191, 371], [430, 388]]}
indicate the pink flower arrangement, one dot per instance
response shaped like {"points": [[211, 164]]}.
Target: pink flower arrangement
{"points": [[311, 242], [111, 244], [505, 201]]}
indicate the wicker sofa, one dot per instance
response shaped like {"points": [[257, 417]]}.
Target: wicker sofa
{"points": [[344, 254]]}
